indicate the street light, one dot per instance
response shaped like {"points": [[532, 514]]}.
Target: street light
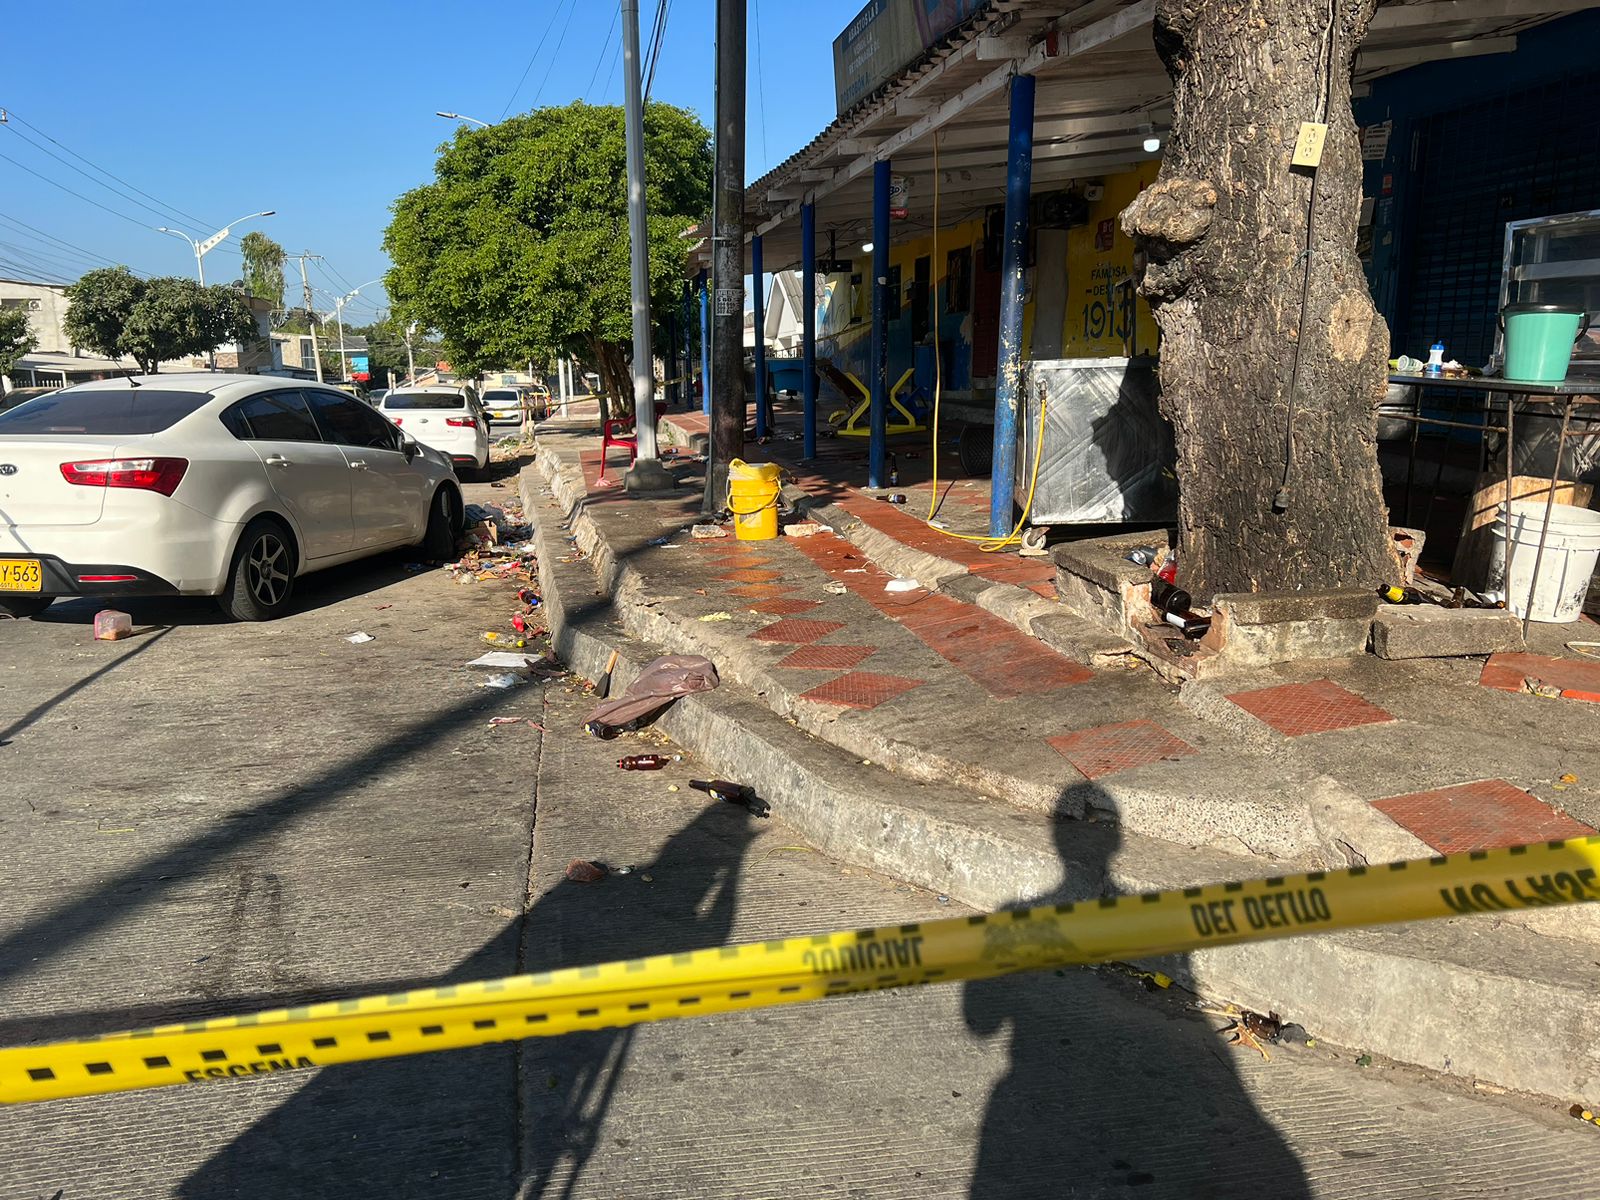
{"points": [[449, 116], [338, 312], [202, 248]]}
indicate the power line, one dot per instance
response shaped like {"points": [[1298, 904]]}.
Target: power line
{"points": [[89, 255], [164, 214], [604, 46], [761, 88], [555, 55], [657, 39], [611, 74]]}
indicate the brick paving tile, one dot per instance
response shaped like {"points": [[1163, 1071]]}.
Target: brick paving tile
{"points": [[786, 608], [1577, 680], [861, 689], [1296, 709], [827, 658], [1107, 749], [746, 575], [800, 632], [739, 561], [760, 591], [1479, 816]]}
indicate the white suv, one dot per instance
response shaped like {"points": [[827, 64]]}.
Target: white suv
{"points": [[448, 418]]}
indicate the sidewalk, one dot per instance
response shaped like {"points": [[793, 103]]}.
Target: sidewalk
{"points": [[1323, 764]]}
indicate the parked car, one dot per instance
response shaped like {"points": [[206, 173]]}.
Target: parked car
{"points": [[376, 395], [504, 404], [22, 395], [207, 485], [447, 417]]}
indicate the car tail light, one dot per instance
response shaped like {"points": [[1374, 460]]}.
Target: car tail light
{"points": [[143, 474], [460, 422], [108, 578], [396, 420]]}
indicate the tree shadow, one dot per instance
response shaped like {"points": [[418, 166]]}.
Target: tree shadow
{"points": [[1108, 1094], [495, 1121]]}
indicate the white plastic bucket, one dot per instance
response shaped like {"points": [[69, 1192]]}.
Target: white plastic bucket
{"points": [[1570, 553]]}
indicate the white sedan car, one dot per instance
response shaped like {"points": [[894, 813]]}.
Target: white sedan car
{"points": [[448, 418], [207, 485]]}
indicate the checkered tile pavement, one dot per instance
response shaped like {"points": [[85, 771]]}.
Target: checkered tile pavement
{"points": [[1296, 709], [861, 689], [1479, 816], [1107, 749], [796, 630], [827, 658]]}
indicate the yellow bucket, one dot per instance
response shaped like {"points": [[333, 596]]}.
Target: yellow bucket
{"points": [[753, 499]]}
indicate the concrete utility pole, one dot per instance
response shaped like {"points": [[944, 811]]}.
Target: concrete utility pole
{"points": [[411, 362], [727, 257], [647, 474], [311, 313]]}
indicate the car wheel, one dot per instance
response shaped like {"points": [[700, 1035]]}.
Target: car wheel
{"points": [[445, 517], [261, 580], [24, 606]]}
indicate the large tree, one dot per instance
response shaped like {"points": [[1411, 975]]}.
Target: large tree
{"points": [[263, 267], [114, 312], [1272, 354], [518, 250], [16, 339]]}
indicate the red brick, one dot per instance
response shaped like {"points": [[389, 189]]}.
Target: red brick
{"points": [[746, 575], [1296, 709], [1479, 816], [861, 689], [799, 631], [827, 658], [1508, 672], [786, 608], [1106, 749], [760, 590]]}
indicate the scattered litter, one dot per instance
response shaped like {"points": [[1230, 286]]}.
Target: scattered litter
{"points": [[111, 625], [623, 871], [646, 762], [834, 588], [1251, 1029], [519, 623], [503, 682], [381, 607], [708, 531], [602, 686], [806, 529], [1364, 1060], [581, 871], [661, 682], [855, 570], [1587, 649], [938, 524], [733, 793], [413, 567], [1154, 979], [672, 787], [360, 637], [717, 616], [901, 585], [943, 899], [1566, 781], [647, 877], [504, 639], [1584, 1114], [661, 541], [494, 721], [1539, 688]]}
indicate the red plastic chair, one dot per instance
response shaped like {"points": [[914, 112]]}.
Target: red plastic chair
{"points": [[619, 431]]}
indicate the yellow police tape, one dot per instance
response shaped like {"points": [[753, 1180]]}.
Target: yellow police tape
{"points": [[728, 978]]}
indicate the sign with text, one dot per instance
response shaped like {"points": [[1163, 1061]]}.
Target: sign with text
{"points": [[887, 36]]}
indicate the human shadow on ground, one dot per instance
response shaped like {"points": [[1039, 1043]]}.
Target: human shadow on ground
{"points": [[1108, 1093], [495, 1121]]}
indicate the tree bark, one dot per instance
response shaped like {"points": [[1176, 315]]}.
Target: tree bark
{"points": [[1231, 247]]}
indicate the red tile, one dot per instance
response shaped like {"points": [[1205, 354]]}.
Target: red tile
{"points": [[1479, 816], [1509, 671], [786, 608], [827, 658], [745, 575], [760, 591], [1107, 749], [798, 631], [1296, 709], [861, 689]]}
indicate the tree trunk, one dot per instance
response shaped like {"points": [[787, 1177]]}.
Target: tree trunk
{"points": [[1231, 249]]}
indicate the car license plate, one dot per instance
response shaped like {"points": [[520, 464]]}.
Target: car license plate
{"points": [[21, 575]]}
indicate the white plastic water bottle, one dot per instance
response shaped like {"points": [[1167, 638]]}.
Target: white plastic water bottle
{"points": [[1435, 363]]}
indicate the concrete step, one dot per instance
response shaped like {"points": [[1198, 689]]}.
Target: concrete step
{"points": [[1475, 997]]}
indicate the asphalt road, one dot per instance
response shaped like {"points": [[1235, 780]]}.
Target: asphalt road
{"points": [[210, 818]]}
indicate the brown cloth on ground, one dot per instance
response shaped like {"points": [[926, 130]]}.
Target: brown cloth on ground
{"points": [[658, 685]]}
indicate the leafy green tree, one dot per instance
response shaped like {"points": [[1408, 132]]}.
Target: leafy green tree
{"points": [[518, 250], [16, 339], [263, 267], [114, 312]]}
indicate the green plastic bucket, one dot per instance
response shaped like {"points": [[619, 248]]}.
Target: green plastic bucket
{"points": [[1539, 340]]}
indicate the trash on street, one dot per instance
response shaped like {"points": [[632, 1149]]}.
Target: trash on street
{"points": [[901, 585], [503, 682], [111, 625], [733, 793], [582, 871], [661, 682], [360, 637]]}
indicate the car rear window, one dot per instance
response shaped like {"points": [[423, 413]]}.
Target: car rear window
{"points": [[395, 401], [501, 396], [109, 412]]}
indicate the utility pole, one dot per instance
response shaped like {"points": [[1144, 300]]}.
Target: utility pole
{"points": [[311, 313], [647, 474], [727, 257], [411, 362]]}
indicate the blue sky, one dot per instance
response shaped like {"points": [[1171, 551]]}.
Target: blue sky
{"points": [[204, 112]]}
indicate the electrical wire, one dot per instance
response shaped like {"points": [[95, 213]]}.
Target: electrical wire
{"points": [[87, 255], [761, 88], [555, 54], [163, 214], [611, 74], [657, 39], [605, 46]]}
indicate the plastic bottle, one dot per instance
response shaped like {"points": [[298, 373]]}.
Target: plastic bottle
{"points": [[109, 625], [647, 762], [1435, 363], [1169, 569]]}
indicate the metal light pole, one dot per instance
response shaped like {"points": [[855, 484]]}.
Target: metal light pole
{"points": [[205, 246], [338, 314], [450, 116], [647, 474]]}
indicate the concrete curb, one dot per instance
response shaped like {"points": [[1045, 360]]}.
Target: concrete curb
{"points": [[1475, 997]]}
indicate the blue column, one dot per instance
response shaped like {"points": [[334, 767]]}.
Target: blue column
{"points": [[877, 451], [759, 326], [705, 346], [685, 363], [1008, 370], [808, 325]]}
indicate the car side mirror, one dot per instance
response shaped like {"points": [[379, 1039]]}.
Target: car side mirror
{"points": [[408, 447]]}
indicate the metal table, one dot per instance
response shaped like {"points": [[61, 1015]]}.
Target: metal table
{"points": [[1567, 396]]}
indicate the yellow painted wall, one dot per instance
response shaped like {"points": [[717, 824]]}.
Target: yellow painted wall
{"points": [[1099, 254]]}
